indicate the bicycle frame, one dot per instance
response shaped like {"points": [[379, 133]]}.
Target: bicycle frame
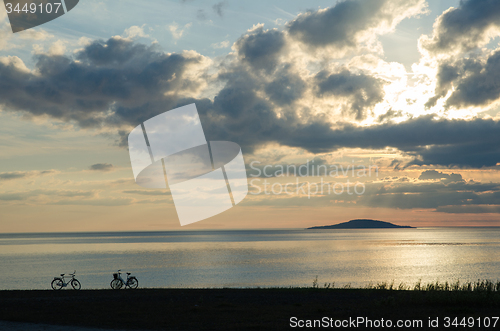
{"points": [[124, 283], [60, 282], [120, 278], [64, 281]]}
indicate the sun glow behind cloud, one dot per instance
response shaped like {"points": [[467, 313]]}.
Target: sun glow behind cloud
{"points": [[288, 93]]}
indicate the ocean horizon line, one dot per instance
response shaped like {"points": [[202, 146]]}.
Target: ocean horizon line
{"points": [[239, 229]]}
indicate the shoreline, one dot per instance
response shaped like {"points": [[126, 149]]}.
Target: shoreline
{"points": [[235, 309]]}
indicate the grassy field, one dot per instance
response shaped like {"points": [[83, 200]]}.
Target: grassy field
{"points": [[240, 309], [249, 309]]}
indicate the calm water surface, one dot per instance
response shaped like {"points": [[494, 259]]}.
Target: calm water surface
{"points": [[252, 258]]}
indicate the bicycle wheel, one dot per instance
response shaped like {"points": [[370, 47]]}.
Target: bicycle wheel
{"points": [[116, 284], [133, 283], [76, 284], [57, 284]]}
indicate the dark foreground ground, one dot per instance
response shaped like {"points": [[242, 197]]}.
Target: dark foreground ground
{"points": [[245, 309]]}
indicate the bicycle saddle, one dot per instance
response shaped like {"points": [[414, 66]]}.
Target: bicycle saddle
{"points": [[128, 273], [62, 275]]}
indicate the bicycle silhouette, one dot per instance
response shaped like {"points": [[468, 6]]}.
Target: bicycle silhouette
{"points": [[118, 282], [58, 282]]}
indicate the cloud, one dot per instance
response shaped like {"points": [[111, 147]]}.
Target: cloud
{"points": [[452, 197], [146, 192], [473, 81], [352, 22], [462, 29], [434, 174], [446, 74], [38, 35], [200, 14], [476, 209], [101, 167], [57, 48], [390, 114], [463, 143], [286, 88], [264, 92], [176, 32], [261, 48], [26, 195], [219, 8], [135, 32], [108, 83], [396, 193], [439, 197], [6, 35], [222, 44], [240, 115], [476, 84], [456, 197], [108, 202], [25, 174], [362, 90], [120, 83], [12, 175], [463, 68]]}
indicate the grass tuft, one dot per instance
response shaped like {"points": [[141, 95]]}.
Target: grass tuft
{"points": [[486, 286]]}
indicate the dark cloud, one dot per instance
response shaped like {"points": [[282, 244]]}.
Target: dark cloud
{"points": [[113, 53], [341, 26], [457, 32], [261, 48], [106, 83], [98, 91], [363, 91], [474, 82], [478, 85], [473, 143], [24, 174], [429, 200], [12, 175], [286, 87], [451, 197], [200, 14], [26, 195], [464, 28], [101, 167], [398, 193], [446, 75], [434, 174], [119, 83], [475, 153], [390, 114], [245, 118], [476, 209], [219, 8], [337, 25]]}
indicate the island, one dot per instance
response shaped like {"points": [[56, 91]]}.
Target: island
{"points": [[363, 224]]}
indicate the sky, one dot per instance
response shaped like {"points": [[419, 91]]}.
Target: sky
{"points": [[405, 92]]}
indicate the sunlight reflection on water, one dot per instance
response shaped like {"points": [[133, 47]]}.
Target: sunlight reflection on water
{"points": [[253, 258]]}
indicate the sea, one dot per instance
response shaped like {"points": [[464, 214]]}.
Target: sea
{"points": [[252, 258]]}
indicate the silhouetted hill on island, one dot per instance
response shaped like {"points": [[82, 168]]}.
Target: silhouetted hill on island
{"points": [[363, 224]]}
